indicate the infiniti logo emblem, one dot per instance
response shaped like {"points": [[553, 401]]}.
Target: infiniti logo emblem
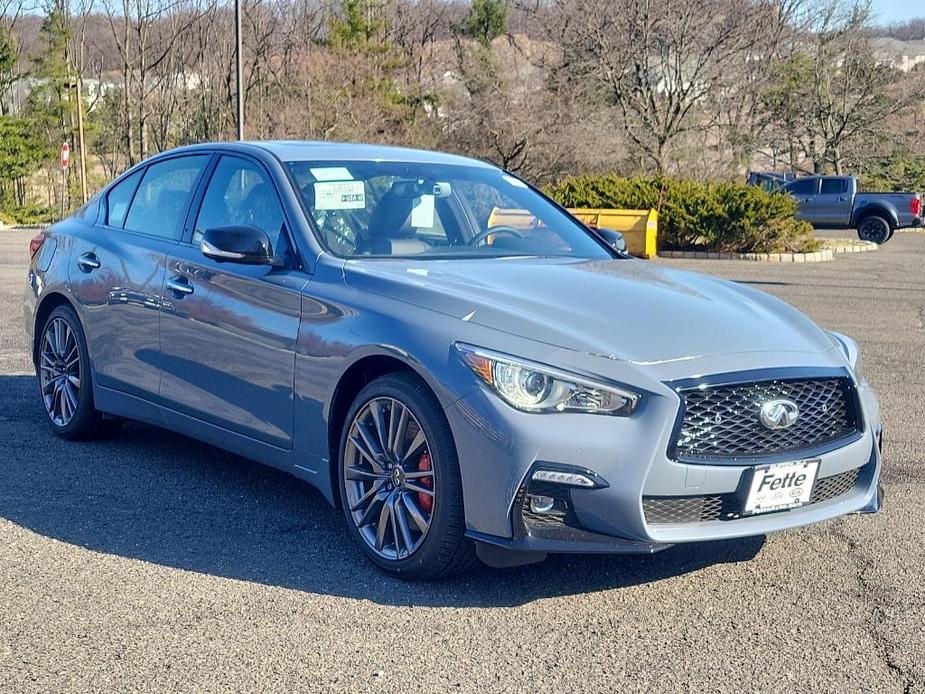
{"points": [[779, 414]]}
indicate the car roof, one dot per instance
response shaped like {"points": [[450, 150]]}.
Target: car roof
{"points": [[301, 150]]}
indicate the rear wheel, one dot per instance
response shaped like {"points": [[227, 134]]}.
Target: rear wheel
{"points": [[874, 228], [64, 378], [400, 482]]}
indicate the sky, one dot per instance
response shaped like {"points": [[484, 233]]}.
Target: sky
{"points": [[889, 11]]}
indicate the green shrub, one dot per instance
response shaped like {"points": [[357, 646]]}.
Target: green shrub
{"points": [[6, 220], [30, 214], [898, 172], [725, 217]]}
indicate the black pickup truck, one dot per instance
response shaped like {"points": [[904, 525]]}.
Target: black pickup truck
{"points": [[833, 202]]}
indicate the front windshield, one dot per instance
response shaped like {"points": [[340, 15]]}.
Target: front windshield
{"points": [[382, 209]]}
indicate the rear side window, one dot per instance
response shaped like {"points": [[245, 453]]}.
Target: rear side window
{"points": [[158, 206], [89, 210], [805, 186], [834, 186], [119, 198]]}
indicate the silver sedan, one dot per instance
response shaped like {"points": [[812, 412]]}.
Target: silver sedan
{"points": [[450, 357]]}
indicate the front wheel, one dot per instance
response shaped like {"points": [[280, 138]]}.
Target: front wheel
{"points": [[400, 483], [875, 228]]}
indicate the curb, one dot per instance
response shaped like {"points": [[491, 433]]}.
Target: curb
{"points": [[850, 246], [822, 256]]}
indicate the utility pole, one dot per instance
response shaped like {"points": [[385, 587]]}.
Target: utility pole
{"points": [[82, 149], [238, 70], [65, 162]]}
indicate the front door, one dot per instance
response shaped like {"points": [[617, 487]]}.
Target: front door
{"points": [[228, 331], [834, 202], [117, 271], [806, 192]]}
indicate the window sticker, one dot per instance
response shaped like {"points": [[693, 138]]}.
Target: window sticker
{"points": [[514, 181], [340, 195], [331, 173], [422, 214]]}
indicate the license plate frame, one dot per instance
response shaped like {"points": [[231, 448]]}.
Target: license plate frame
{"points": [[763, 495]]}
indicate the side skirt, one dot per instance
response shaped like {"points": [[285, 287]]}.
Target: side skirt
{"points": [[114, 402]]}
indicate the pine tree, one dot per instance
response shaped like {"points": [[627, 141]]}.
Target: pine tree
{"points": [[50, 100], [359, 26], [7, 66], [486, 20], [22, 144]]}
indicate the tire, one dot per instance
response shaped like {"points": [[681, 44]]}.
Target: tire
{"points": [[386, 512], [64, 379], [875, 228]]}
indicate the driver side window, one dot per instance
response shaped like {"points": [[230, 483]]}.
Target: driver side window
{"points": [[239, 192]]}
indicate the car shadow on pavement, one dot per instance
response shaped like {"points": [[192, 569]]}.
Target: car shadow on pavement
{"points": [[159, 497]]}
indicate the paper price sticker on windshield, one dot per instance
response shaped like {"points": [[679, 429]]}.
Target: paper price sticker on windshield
{"points": [[340, 195], [331, 173], [422, 214]]}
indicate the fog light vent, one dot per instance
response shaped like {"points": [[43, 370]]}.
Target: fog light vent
{"points": [[542, 504]]}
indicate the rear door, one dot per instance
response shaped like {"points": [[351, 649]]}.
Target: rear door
{"points": [[228, 331], [117, 271], [834, 203], [806, 192]]}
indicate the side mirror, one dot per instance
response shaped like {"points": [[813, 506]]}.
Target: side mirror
{"points": [[240, 243], [612, 238]]}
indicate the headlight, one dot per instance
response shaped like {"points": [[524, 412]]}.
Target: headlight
{"points": [[852, 353], [537, 388]]}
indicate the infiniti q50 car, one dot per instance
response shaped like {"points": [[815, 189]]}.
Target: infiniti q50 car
{"points": [[458, 364]]}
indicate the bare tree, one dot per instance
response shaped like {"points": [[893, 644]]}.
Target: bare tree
{"points": [[832, 91], [737, 108], [11, 11], [146, 33], [657, 61], [415, 28]]}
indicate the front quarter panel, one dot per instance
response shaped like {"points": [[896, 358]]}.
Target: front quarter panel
{"points": [[342, 325]]}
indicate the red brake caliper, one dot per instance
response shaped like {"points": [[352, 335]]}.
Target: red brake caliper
{"points": [[426, 501]]}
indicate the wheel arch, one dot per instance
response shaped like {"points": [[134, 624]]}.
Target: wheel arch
{"points": [[361, 372], [49, 303], [876, 211]]}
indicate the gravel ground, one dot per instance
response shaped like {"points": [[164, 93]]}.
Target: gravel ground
{"points": [[152, 562]]}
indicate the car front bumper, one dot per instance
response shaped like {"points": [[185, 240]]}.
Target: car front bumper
{"points": [[500, 448]]}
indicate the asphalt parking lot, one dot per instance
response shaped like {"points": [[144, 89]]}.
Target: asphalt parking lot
{"points": [[152, 562]]}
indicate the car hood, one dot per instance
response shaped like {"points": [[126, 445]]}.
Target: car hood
{"points": [[633, 310]]}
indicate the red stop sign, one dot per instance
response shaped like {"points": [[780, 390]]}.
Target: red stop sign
{"points": [[65, 155]]}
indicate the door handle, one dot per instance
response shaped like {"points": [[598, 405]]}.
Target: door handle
{"points": [[88, 262], [180, 285]]}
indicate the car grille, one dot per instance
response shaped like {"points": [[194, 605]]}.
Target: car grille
{"points": [[723, 421], [836, 485], [683, 509], [661, 510]]}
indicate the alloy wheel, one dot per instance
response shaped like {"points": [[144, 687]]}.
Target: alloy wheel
{"points": [[874, 229], [59, 371], [390, 485]]}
